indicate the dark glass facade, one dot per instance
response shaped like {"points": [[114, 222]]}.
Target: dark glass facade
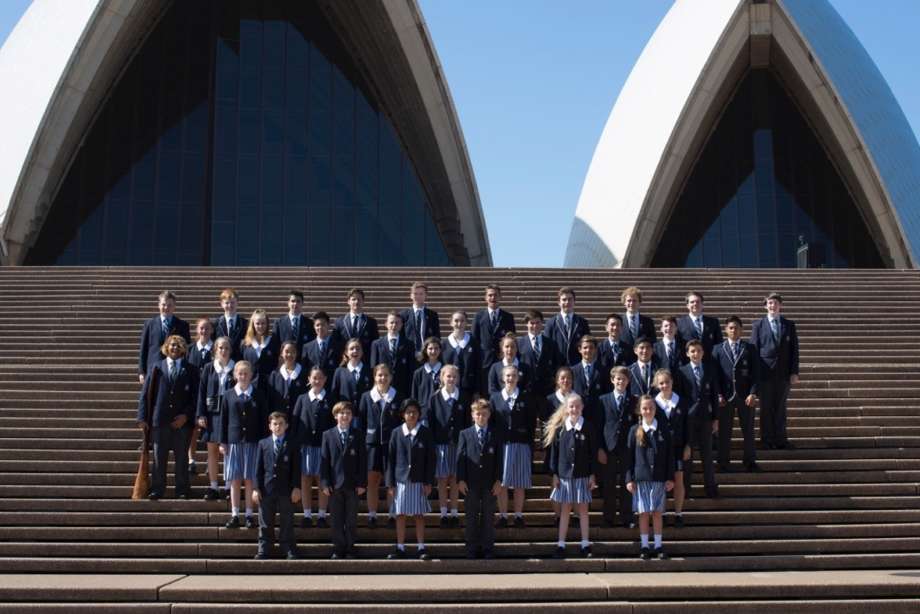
{"points": [[764, 180], [241, 134]]}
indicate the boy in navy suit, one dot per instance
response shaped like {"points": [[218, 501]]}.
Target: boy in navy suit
{"points": [[277, 487], [539, 354], [231, 325], [567, 328], [323, 350], [343, 477], [356, 324], [699, 383], [695, 325], [489, 327], [738, 366], [589, 380], [613, 351], [776, 342], [635, 324], [397, 352], [669, 349], [420, 322], [617, 416], [294, 326], [171, 391], [642, 372], [479, 473], [156, 330]]}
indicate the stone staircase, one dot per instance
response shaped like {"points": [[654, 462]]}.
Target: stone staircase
{"points": [[847, 498]]}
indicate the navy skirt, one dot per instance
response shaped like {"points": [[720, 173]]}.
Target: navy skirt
{"points": [[211, 432], [447, 460], [377, 458]]}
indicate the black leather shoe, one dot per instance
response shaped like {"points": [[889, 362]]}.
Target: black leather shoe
{"points": [[455, 521], [321, 523], [391, 522], [193, 468], [292, 556], [261, 556], [211, 495], [183, 496], [519, 522], [678, 521], [713, 493], [488, 554], [754, 468], [444, 522], [471, 556], [645, 554], [661, 555], [502, 523], [306, 522], [336, 556], [154, 496], [586, 552], [423, 555], [251, 523], [233, 523], [559, 552], [396, 555], [371, 522]]}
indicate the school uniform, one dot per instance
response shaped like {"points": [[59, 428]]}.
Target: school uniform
{"points": [[343, 469], [541, 356], [738, 368], [465, 355], [573, 460], [298, 329], [489, 327], [642, 381], [264, 359], [516, 415], [235, 330], [618, 415], [361, 327], [688, 329], [214, 382], [348, 384], [323, 353], [778, 350], [446, 415], [702, 408], [496, 383], [612, 354], [154, 334], [669, 353], [672, 413], [285, 387], [277, 475], [479, 464], [174, 389], [419, 324], [567, 330], [243, 422], [551, 403], [410, 467], [312, 416], [199, 355], [379, 415], [425, 381], [650, 466], [398, 354], [591, 383], [635, 327]]}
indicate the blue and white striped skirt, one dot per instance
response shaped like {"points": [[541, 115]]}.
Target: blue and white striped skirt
{"points": [[240, 461], [410, 499], [309, 461], [574, 490], [649, 497], [447, 460], [516, 468]]}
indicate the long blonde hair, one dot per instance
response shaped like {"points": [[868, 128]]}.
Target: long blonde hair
{"points": [[250, 337], [554, 424]]}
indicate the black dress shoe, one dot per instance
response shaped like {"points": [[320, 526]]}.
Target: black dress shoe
{"points": [[488, 554], [292, 556], [713, 493], [423, 555], [606, 523], [455, 521], [645, 554], [154, 496], [559, 552], [211, 495], [754, 468], [351, 554], [586, 552], [371, 522], [193, 468], [321, 523], [470, 555], [336, 556], [397, 554], [183, 496], [306, 522], [661, 555], [261, 556], [678, 521], [444, 522], [519, 522], [251, 523], [233, 523], [786, 445], [502, 523]]}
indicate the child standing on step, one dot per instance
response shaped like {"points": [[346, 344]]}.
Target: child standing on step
{"points": [[445, 413], [479, 473], [427, 378], [508, 348], [352, 378], [312, 416], [343, 477], [288, 381], [199, 354], [277, 488], [460, 349], [379, 412], [672, 410], [216, 379]]}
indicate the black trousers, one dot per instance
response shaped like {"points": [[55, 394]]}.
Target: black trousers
{"points": [[616, 498], [726, 426], [269, 505], [699, 435], [774, 391], [479, 510], [343, 505], [166, 438]]}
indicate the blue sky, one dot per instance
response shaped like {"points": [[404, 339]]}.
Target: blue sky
{"points": [[534, 80]]}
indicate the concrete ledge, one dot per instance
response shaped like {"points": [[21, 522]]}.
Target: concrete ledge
{"points": [[79, 587]]}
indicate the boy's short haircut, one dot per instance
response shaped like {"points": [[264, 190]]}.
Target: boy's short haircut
{"points": [[619, 370], [643, 340], [355, 292], [691, 343], [696, 294], [533, 315], [419, 284], [296, 293], [480, 405], [395, 313], [321, 315], [342, 406], [167, 295], [670, 319], [775, 296], [734, 319], [614, 316], [588, 339], [229, 293], [172, 338], [631, 291], [277, 415], [496, 287], [565, 290]]}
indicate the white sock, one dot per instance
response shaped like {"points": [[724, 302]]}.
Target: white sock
{"points": [[372, 514], [585, 543], [235, 511], [401, 547], [644, 538], [657, 540], [443, 511], [308, 513], [213, 484], [454, 512], [519, 514], [248, 512], [504, 515], [421, 545], [322, 513], [561, 543]]}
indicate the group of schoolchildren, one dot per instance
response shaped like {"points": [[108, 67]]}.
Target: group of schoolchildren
{"points": [[305, 402]]}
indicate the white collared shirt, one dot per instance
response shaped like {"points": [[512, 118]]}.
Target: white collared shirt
{"points": [[377, 397], [289, 375], [240, 391], [436, 367], [206, 347], [223, 371], [230, 320], [667, 405], [413, 432], [514, 394], [169, 364], [259, 347], [513, 363], [650, 427], [355, 369], [275, 440], [561, 396], [455, 395], [569, 425], [459, 344], [313, 396]]}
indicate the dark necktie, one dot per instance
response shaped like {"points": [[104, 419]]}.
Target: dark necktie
{"points": [[244, 397], [321, 346], [295, 328], [588, 374], [735, 350], [342, 435], [481, 433], [434, 377], [165, 326], [173, 372], [698, 375], [645, 376], [536, 347], [633, 326], [357, 374], [278, 443], [620, 402], [493, 318], [393, 347], [774, 326], [419, 338]]}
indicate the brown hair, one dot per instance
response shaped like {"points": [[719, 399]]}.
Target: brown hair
{"points": [[631, 291], [342, 406], [170, 339], [348, 344], [640, 432]]}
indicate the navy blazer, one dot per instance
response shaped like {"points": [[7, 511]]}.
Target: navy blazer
{"points": [[739, 377], [712, 336], [243, 421], [543, 368], [550, 404], [573, 453], [343, 467], [703, 399], [345, 388], [264, 362], [210, 392], [445, 421], [170, 399], [676, 424], [638, 386], [488, 336], [282, 330], [411, 460], [424, 384], [277, 474], [284, 395], [609, 356], [646, 329], [616, 420], [517, 423], [567, 341], [152, 339], [676, 358], [328, 360], [776, 360], [402, 363], [236, 335], [310, 419], [198, 357], [432, 326], [654, 462], [480, 466], [467, 360], [376, 421], [591, 391], [366, 331], [495, 377]]}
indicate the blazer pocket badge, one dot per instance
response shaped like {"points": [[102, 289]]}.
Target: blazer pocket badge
{"points": [[351, 452], [491, 450], [287, 458]]}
